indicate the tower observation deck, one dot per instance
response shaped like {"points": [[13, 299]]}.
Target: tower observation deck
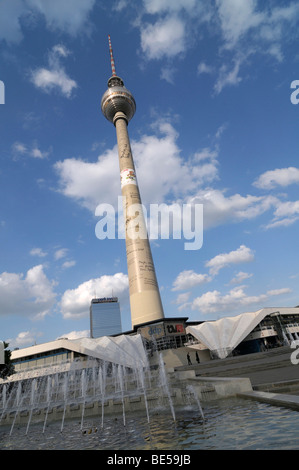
{"points": [[118, 106]]}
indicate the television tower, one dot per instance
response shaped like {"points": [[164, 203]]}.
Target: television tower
{"points": [[118, 106]]}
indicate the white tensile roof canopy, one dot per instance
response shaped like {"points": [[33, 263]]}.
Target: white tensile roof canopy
{"points": [[223, 335], [125, 350]]}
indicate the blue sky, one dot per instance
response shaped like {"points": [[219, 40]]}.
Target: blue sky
{"points": [[215, 125]]}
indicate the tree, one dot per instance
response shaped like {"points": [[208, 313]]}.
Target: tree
{"points": [[7, 368]]}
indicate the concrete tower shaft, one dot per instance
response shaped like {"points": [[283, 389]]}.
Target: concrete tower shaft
{"points": [[118, 106]]}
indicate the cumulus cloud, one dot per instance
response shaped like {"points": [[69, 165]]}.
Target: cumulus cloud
{"points": [[76, 334], [183, 298], [285, 214], [204, 68], [24, 338], [188, 279], [20, 149], [178, 180], [30, 295], [165, 38], [54, 77], [75, 303], [214, 301], [242, 255], [92, 183], [220, 208], [237, 18], [71, 17], [11, 12], [279, 177], [68, 264], [60, 253], [38, 252], [240, 277], [267, 26], [244, 28], [228, 76], [161, 6]]}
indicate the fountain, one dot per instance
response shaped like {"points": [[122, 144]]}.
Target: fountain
{"points": [[91, 388], [164, 384]]}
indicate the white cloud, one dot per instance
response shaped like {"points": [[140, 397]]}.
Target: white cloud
{"points": [[237, 18], [235, 299], [167, 74], [249, 29], [38, 252], [285, 214], [188, 279], [10, 14], [245, 28], [68, 264], [76, 334], [183, 298], [241, 255], [161, 6], [55, 77], [286, 222], [24, 339], [204, 68], [19, 149], [240, 277], [67, 16], [220, 209], [98, 182], [279, 177], [48, 80], [71, 17], [90, 183], [75, 303], [228, 76], [31, 295], [240, 18], [175, 176], [177, 181], [287, 209], [37, 153], [61, 253], [165, 38]]}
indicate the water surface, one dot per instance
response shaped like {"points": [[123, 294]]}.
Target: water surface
{"points": [[232, 423]]}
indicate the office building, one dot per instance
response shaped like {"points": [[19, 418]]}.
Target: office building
{"points": [[105, 319]]}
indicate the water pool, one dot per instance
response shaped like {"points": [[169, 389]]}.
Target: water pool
{"points": [[233, 424]]}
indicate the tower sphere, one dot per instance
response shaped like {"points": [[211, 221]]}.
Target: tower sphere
{"points": [[117, 99]]}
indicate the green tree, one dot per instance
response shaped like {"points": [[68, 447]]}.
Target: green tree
{"points": [[7, 368]]}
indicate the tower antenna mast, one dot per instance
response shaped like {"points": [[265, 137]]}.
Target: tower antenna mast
{"points": [[111, 57]]}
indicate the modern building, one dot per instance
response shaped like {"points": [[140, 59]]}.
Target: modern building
{"points": [[64, 354], [118, 106], [242, 334], [247, 333], [105, 318]]}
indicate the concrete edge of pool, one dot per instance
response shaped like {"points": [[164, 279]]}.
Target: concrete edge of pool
{"points": [[276, 399]]}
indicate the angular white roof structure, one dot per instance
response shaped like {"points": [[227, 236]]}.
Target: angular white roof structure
{"points": [[223, 335], [125, 350]]}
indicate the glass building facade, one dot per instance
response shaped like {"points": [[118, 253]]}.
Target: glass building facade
{"points": [[105, 319]]}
